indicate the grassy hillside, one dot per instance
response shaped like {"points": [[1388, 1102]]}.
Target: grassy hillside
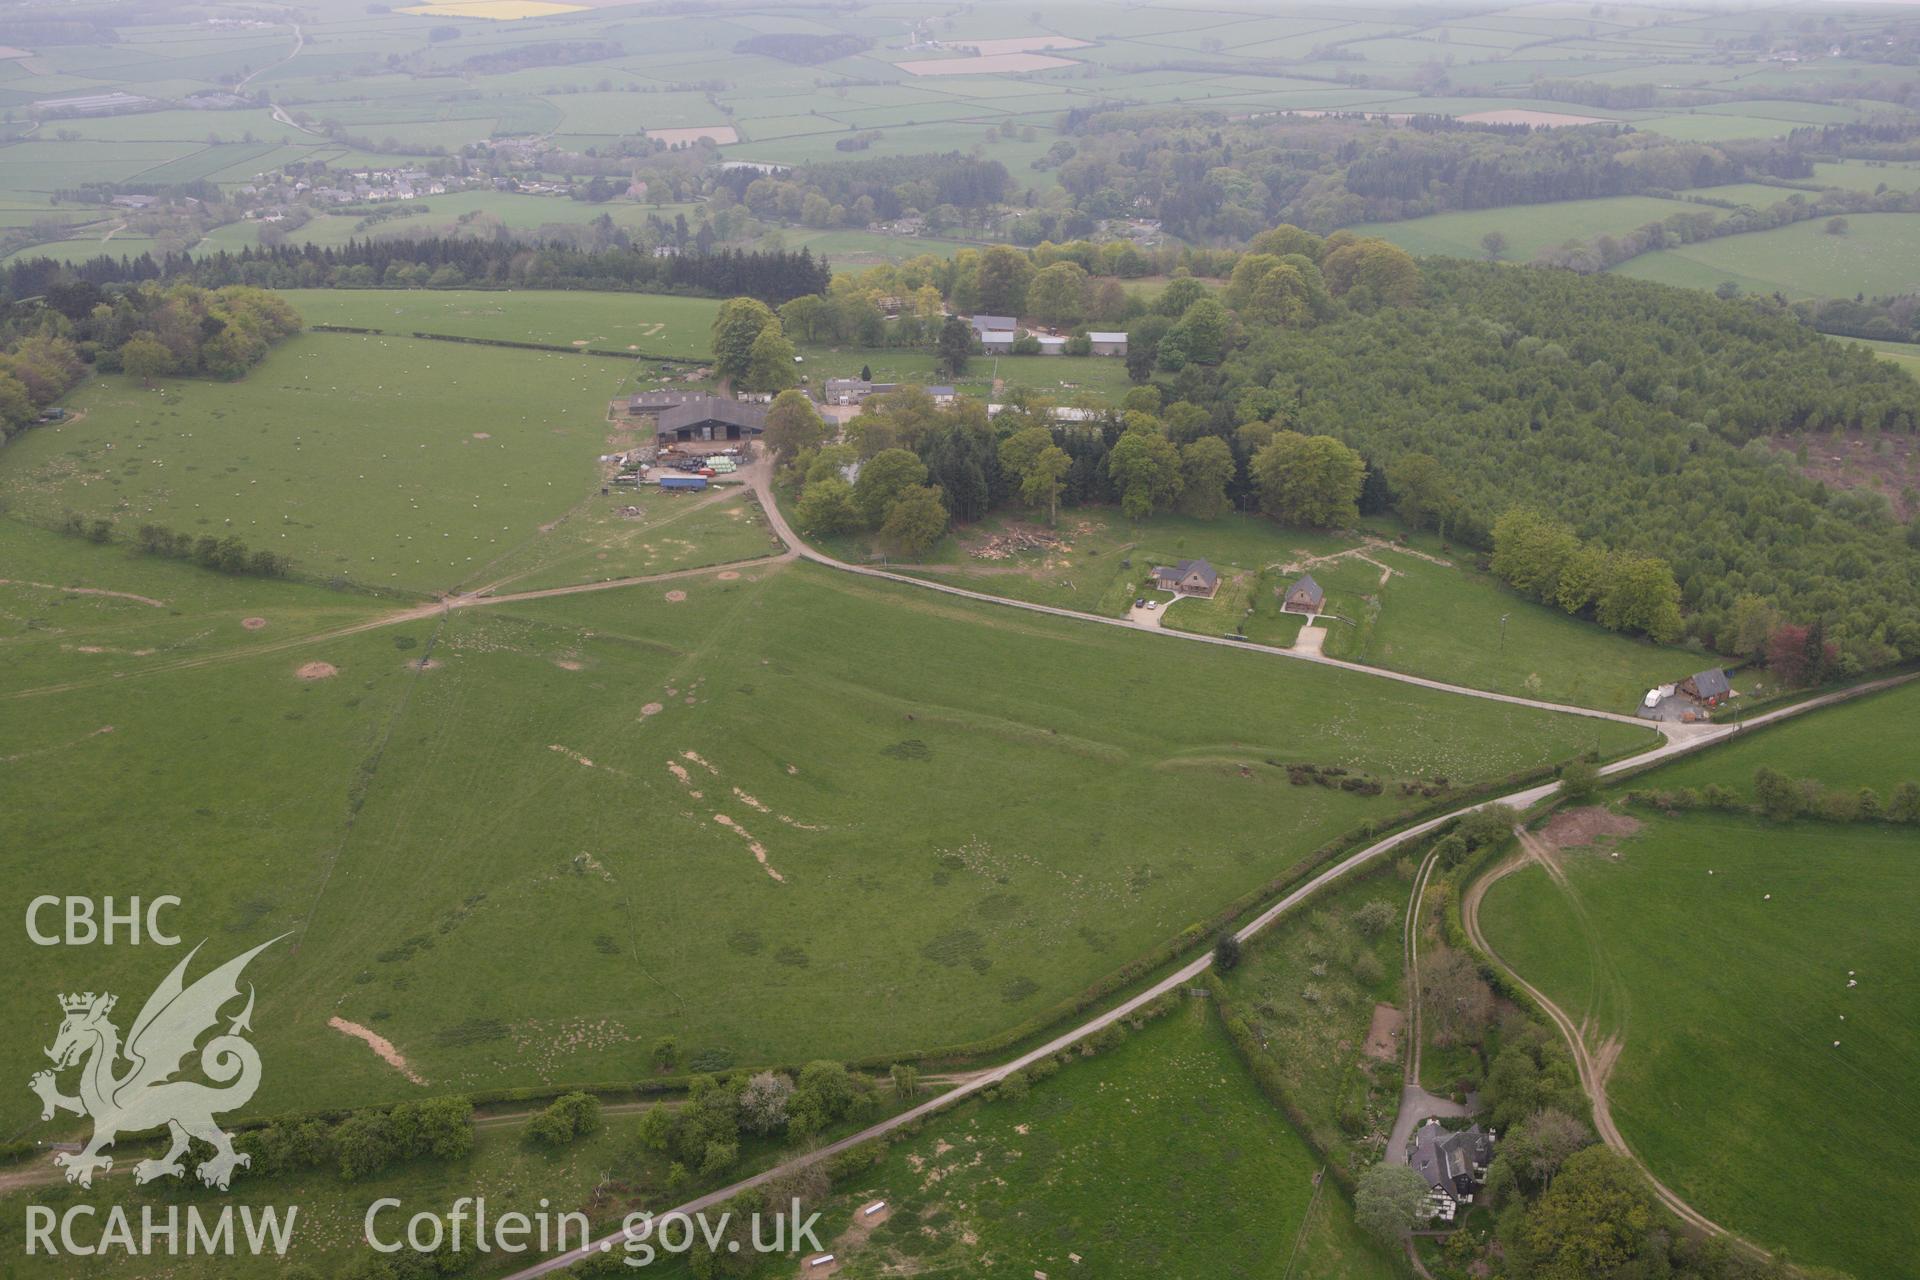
{"points": [[1741, 1035]]}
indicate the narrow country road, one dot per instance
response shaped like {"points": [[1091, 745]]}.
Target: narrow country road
{"points": [[1519, 800]]}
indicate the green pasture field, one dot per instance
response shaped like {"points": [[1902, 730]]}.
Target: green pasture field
{"points": [[1707, 979], [71, 610], [422, 827], [1528, 228], [653, 323], [1864, 175], [1307, 989], [856, 249], [389, 462], [1010, 1187], [1904, 354], [1879, 254], [1873, 742], [598, 541]]}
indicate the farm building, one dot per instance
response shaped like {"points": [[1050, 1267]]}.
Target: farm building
{"points": [[652, 402], [1709, 686], [1454, 1165], [997, 342], [855, 390], [1304, 596], [709, 418], [1050, 345], [983, 325], [1108, 344], [1188, 578]]}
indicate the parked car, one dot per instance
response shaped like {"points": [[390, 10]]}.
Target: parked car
{"points": [[1140, 603], [1153, 604], [708, 472]]}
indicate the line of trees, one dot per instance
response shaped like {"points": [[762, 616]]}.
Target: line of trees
{"points": [[447, 263]]}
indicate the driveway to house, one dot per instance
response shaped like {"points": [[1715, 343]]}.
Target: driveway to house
{"points": [[1141, 616], [1311, 641]]}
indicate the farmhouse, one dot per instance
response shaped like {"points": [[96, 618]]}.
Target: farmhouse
{"points": [[1709, 686], [1108, 344], [1304, 596], [1188, 578], [1454, 1165]]}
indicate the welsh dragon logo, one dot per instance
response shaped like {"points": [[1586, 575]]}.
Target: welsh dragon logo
{"points": [[144, 1095]]}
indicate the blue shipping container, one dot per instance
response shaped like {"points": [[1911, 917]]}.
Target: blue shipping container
{"points": [[683, 482]]}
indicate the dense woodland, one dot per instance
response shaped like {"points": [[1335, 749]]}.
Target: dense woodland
{"points": [[1635, 418]]}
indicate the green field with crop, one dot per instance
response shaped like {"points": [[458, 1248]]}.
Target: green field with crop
{"points": [[389, 462], [1030, 1184], [1527, 228], [1742, 1036], [1879, 254], [653, 324]]}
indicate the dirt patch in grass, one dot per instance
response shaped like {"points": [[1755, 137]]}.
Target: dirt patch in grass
{"points": [[652, 709], [379, 1044], [1576, 828], [318, 671], [85, 591], [729, 576], [675, 597], [253, 624], [1383, 1035]]}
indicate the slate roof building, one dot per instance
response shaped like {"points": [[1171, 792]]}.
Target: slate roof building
{"points": [[709, 418], [1304, 596], [1188, 578], [1453, 1163], [1710, 686]]}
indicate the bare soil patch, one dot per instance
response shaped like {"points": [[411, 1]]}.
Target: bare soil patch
{"points": [[318, 671], [729, 576], [1383, 1034], [675, 597], [722, 134], [483, 435], [1591, 824], [1889, 466], [652, 709], [568, 664], [253, 624], [379, 1044]]}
